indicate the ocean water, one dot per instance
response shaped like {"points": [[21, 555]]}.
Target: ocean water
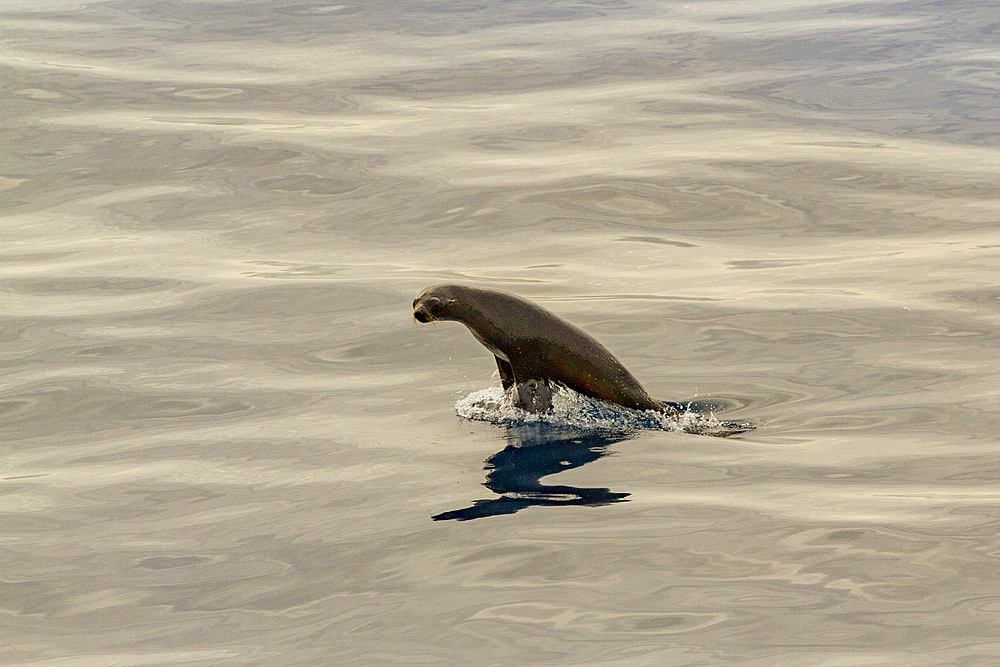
{"points": [[224, 439]]}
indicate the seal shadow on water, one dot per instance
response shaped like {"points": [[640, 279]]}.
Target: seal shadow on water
{"points": [[515, 472]]}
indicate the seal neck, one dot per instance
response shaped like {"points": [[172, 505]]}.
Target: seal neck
{"points": [[485, 329]]}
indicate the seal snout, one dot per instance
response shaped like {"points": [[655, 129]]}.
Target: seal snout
{"points": [[426, 309]]}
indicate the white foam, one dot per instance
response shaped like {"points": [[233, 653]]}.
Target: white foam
{"points": [[573, 410]]}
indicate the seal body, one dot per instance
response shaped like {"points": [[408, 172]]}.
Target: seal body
{"points": [[535, 348]]}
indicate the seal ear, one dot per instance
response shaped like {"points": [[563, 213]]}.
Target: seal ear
{"points": [[451, 301]]}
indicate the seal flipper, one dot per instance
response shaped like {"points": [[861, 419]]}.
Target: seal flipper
{"points": [[506, 373], [534, 396]]}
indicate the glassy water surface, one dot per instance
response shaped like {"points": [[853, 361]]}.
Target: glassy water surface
{"points": [[225, 441]]}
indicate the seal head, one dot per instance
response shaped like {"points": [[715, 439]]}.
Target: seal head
{"points": [[430, 307]]}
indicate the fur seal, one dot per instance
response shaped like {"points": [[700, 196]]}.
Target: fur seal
{"points": [[535, 348]]}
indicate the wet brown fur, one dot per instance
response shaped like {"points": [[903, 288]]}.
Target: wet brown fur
{"points": [[534, 347]]}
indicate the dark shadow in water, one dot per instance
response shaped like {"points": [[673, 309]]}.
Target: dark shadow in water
{"points": [[533, 452]]}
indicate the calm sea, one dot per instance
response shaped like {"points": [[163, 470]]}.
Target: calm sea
{"points": [[224, 440]]}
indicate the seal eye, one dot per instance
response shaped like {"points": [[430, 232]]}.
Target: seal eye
{"points": [[434, 305]]}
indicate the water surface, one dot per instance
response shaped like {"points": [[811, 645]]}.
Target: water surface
{"points": [[224, 440]]}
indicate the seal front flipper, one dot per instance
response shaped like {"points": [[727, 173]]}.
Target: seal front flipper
{"points": [[506, 373], [534, 396]]}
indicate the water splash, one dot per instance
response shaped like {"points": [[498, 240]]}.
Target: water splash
{"points": [[573, 410]]}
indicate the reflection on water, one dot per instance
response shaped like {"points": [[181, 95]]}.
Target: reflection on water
{"points": [[533, 452], [222, 440]]}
